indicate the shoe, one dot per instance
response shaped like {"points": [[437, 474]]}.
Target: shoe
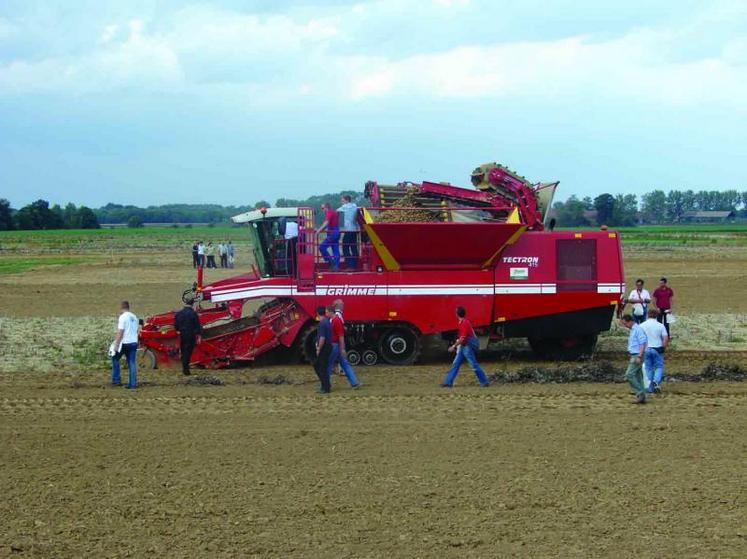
{"points": [[128, 387], [640, 399], [657, 389], [444, 385], [485, 385], [116, 384], [356, 386], [186, 373]]}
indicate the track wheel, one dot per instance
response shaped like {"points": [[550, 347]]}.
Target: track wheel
{"points": [[399, 346], [146, 359], [354, 357], [369, 357], [307, 344]]}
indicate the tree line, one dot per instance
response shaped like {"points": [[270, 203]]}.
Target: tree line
{"points": [[655, 207], [39, 215]]}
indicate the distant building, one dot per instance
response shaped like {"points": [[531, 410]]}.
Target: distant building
{"points": [[708, 217], [591, 215]]}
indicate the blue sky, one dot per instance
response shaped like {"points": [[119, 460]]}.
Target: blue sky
{"points": [[151, 102]]}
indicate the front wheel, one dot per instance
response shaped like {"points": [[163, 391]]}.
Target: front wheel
{"points": [[569, 348], [146, 359], [399, 346]]}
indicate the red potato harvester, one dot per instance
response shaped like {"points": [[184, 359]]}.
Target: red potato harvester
{"points": [[486, 249]]}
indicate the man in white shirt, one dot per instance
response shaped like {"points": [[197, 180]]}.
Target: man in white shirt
{"points": [[658, 340], [639, 298], [201, 254], [125, 343], [350, 231]]}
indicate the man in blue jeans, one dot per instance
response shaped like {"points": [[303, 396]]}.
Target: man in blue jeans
{"points": [[332, 226], [125, 344], [338, 344], [656, 342], [349, 211], [465, 346]]}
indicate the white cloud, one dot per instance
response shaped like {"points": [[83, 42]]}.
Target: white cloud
{"points": [[109, 32], [279, 56], [139, 60], [6, 28], [634, 66]]}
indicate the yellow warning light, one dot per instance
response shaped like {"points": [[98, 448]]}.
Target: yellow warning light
{"points": [[612, 235], [501, 319], [578, 235], [392, 314]]}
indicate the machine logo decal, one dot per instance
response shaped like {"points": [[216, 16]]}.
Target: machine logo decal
{"points": [[349, 290], [531, 261]]}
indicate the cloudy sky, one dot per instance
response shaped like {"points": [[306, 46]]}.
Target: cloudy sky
{"points": [[149, 102]]}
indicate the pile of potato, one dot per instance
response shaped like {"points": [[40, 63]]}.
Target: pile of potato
{"points": [[412, 214]]}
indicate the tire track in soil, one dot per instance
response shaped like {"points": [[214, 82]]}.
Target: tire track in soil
{"points": [[375, 404]]}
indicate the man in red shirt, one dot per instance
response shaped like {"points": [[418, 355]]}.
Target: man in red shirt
{"points": [[332, 226], [465, 346], [338, 346], [663, 300]]}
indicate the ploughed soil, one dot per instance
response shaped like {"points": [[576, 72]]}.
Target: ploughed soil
{"points": [[260, 465]]}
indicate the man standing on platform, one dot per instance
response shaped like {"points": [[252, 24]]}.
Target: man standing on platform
{"points": [[350, 230], [332, 226]]}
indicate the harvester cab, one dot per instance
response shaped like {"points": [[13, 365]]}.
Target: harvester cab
{"points": [[273, 234]]}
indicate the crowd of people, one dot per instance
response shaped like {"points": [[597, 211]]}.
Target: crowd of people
{"points": [[647, 342], [203, 255], [649, 336]]}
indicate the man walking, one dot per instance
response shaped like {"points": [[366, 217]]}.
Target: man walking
{"points": [[125, 344], [338, 344], [465, 346], [663, 296], [636, 350], [222, 255], [323, 348], [350, 229], [332, 226], [639, 298], [195, 255], [187, 323], [656, 342]]}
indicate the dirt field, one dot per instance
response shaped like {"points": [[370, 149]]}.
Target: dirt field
{"points": [[400, 468]]}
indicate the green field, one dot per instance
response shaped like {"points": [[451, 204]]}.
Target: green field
{"points": [[110, 240], [24, 250], [15, 265]]}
